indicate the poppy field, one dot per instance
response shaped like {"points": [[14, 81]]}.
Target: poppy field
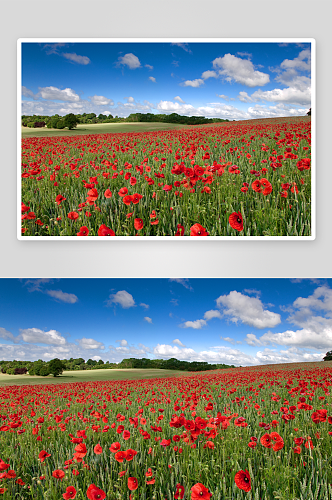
{"points": [[250, 178], [244, 433]]}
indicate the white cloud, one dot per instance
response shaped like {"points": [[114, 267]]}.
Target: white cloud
{"points": [[129, 60], [152, 78], [78, 59], [252, 291], [130, 99], [149, 66], [182, 281], [90, 343], [27, 93], [244, 97], [228, 339], [146, 306], [5, 334], [100, 100], [123, 298], [178, 342], [212, 314], [53, 93], [248, 310], [301, 62], [183, 46], [178, 98], [209, 74], [233, 68], [123, 342], [35, 285], [52, 48], [193, 83], [197, 324], [69, 298], [148, 320], [291, 95], [222, 96], [36, 336]]}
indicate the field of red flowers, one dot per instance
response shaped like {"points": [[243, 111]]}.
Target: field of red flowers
{"points": [[249, 178], [235, 434]]}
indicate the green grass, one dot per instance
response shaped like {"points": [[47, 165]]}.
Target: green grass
{"points": [[89, 376], [99, 128]]}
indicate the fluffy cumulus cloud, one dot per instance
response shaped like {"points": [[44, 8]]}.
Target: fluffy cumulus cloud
{"points": [[212, 314], [178, 98], [193, 83], [178, 342], [53, 93], [233, 68], [69, 298], [36, 336], [122, 342], [196, 325], [122, 298], [90, 343], [100, 100], [129, 60], [152, 78], [146, 306], [312, 316], [5, 334], [248, 310], [148, 320], [77, 59]]}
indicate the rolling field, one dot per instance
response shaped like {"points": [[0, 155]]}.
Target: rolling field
{"points": [[77, 376], [99, 128], [250, 178], [247, 433]]}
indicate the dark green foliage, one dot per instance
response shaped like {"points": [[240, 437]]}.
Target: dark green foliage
{"points": [[55, 367], [328, 356]]}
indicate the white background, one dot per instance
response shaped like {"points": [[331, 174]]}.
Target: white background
{"points": [[176, 19]]}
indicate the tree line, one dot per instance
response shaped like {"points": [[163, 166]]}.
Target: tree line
{"points": [[71, 120], [56, 366]]}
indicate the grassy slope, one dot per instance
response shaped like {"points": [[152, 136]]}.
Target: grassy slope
{"points": [[89, 375], [99, 128]]}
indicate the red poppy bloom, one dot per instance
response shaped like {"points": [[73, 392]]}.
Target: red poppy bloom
{"points": [[132, 483], [138, 224], [123, 191], [115, 447], [198, 230], [236, 221], [43, 454], [256, 186], [130, 454], [58, 199], [198, 491], [168, 187], [179, 492], [120, 456], [242, 480], [98, 449], [136, 198], [266, 441], [58, 474], [105, 231], [84, 231], [95, 493], [92, 195], [126, 435], [70, 493], [73, 215], [108, 193], [180, 231], [127, 200]]}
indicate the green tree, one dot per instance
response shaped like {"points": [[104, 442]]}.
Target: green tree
{"points": [[70, 121], [45, 370], [55, 367], [328, 356]]}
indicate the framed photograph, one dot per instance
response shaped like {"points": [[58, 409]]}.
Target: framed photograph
{"points": [[163, 138]]}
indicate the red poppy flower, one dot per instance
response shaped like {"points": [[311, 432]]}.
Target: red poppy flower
{"points": [[73, 215], [120, 456], [168, 187], [236, 221], [130, 454], [198, 491], [105, 231], [138, 224], [58, 199], [256, 186], [242, 480], [180, 231], [98, 449], [84, 231], [179, 492], [115, 447], [92, 195], [70, 493], [43, 454], [198, 230], [132, 483], [108, 193], [126, 435], [127, 200], [58, 474], [95, 493], [123, 191], [136, 198]]}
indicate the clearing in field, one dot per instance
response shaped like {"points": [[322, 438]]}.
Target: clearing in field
{"points": [[250, 178]]}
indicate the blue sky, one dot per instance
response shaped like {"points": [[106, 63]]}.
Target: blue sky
{"points": [[226, 80], [235, 321]]}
